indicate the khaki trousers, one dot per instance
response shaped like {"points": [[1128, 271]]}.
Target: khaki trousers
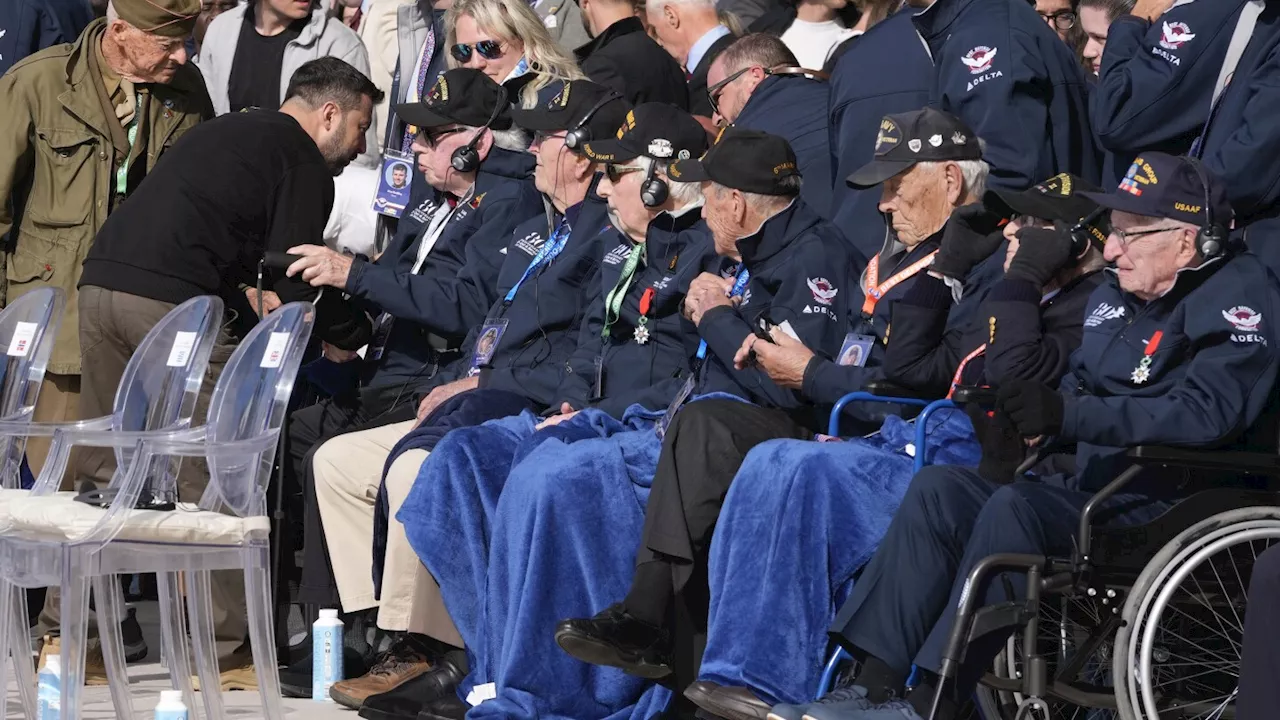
{"points": [[347, 471], [59, 402], [112, 326]]}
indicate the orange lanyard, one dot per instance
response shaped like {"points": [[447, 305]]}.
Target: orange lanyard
{"points": [[955, 380], [875, 292]]}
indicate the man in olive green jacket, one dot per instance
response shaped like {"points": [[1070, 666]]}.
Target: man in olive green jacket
{"points": [[82, 124]]}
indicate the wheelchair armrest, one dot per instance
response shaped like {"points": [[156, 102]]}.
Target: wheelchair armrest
{"points": [[1248, 462], [974, 395], [886, 389], [833, 423]]}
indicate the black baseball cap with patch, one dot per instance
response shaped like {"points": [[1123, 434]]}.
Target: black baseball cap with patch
{"points": [[597, 109], [1160, 185], [746, 160], [1060, 198], [658, 130], [926, 135], [462, 96]]}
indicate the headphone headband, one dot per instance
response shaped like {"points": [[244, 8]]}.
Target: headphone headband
{"points": [[579, 134]]}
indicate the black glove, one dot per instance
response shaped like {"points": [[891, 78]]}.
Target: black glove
{"points": [[1042, 252], [1002, 447], [1035, 408], [970, 236]]}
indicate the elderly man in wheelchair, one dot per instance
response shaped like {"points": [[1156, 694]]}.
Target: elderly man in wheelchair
{"points": [[1177, 352]]}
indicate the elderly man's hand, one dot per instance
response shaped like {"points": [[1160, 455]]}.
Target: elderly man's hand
{"points": [[968, 238], [1042, 252], [1035, 408], [785, 359], [270, 300], [320, 266], [705, 292], [566, 412], [441, 393], [1151, 9]]}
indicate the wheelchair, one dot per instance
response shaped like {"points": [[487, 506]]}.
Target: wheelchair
{"points": [[1141, 622]]}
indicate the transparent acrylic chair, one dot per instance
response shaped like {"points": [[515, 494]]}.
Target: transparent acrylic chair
{"points": [[28, 329], [227, 530], [157, 394]]}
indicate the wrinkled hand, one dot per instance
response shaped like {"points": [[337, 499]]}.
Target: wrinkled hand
{"points": [[969, 237], [785, 359], [270, 300], [440, 394], [1042, 252], [1035, 408], [1151, 9], [336, 354], [705, 292], [320, 266], [566, 412]]}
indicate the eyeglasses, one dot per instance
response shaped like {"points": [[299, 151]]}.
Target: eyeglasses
{"points": [[1062, 19], [1127, 237], [716, 90], [488, 49], [539, 136], [615, 172], [433, 137]]}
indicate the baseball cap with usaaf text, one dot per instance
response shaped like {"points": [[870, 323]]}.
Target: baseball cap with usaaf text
{"points": [[1160, 185]]}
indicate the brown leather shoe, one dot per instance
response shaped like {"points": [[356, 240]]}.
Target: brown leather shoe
{"points": [[403, 661]]}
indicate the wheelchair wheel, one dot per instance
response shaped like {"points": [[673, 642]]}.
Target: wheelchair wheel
{"points": [[1178, 654], [1068, 624]]}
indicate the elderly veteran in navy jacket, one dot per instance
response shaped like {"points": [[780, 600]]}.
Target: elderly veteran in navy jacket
{"points": [[1178, 349], [347, 467], [757, 83]]}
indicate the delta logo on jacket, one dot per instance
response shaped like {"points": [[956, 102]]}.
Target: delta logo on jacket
{"points": [[1173, 35], [980, 60]]}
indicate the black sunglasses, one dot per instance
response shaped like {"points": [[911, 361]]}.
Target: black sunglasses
{"points": [[714, 92], [488, 49]]}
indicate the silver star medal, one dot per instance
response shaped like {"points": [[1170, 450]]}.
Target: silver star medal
{"points": [[642, 333], [1142, 373]]}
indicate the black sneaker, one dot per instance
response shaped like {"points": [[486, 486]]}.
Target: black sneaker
{"points": [[295, 680], [418, 695], [616, 639], [135, 646], [446, 708]]}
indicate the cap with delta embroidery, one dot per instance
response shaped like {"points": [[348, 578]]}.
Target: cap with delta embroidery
{"points": [[166, 18], [1160, 185], [926, 135], [658, 130], [597, 109], [746, 160], [462, 96]]}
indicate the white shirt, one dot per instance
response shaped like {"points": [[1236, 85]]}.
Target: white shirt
{"points": [[702, 45], [352, 226], [812, 42]]}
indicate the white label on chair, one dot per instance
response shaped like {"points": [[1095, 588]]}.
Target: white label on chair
{"points": [[180, 355], [480, 693], [274, 354], [20, 345]]}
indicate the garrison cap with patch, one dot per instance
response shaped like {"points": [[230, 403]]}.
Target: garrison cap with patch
{"points": [[599, 110], [658, 130], [166, 18], [746, 160], [462, 96], [926, 135], [1160, 185]]}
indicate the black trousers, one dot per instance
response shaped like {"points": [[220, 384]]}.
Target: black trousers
{"points": [[1260, 664]]}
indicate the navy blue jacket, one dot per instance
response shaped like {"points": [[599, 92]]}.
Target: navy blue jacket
{"points": [[543, 318], [795, 107], [802, 274], [1212, 373], [457, 283], [29, 26], [676, 248], [1003, 71], [885, 71], [1153, 92]]}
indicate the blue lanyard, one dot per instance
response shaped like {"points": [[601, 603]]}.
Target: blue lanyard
{"points": [[548, 252], [739, 284]]}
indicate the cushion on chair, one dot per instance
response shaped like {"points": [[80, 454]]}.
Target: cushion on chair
{"points": [[60, 517]]}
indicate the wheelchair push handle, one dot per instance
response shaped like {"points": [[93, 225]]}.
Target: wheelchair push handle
{"points": [[982, 396]]}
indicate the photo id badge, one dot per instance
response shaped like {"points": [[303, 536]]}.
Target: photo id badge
{"points": [[680, 399], [856, 350], [490, 334], [394, 180]]}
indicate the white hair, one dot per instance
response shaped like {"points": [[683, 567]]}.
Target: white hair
{"points": [[683, 193], [112, 14], [973, 172], [513, 138]]}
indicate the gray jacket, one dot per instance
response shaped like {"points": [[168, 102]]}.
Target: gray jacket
{"points": [[563, 19], [322, 37]]}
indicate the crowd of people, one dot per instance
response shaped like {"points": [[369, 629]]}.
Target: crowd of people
{"points": [[591, 276]]}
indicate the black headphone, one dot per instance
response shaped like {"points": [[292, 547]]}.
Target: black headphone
{"points": [[580, 134], [466, 159], [1087, 231], [1211, 240], [654, 191]]}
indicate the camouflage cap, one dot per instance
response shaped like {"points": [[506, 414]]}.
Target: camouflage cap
{"points": [[167, 18]]}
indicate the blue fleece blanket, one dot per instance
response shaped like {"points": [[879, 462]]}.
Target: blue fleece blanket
{"points": [[511, 522], [799, 520]]}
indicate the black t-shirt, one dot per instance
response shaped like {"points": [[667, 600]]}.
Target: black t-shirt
{"points": [[228, 190], [256, 67]]}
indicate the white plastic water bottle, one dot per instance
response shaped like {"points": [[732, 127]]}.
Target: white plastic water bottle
{"points": [[49, 689], [326, 654], [171, 706]]}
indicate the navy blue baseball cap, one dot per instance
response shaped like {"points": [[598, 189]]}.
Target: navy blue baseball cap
{"points": [[1160, 185]]}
